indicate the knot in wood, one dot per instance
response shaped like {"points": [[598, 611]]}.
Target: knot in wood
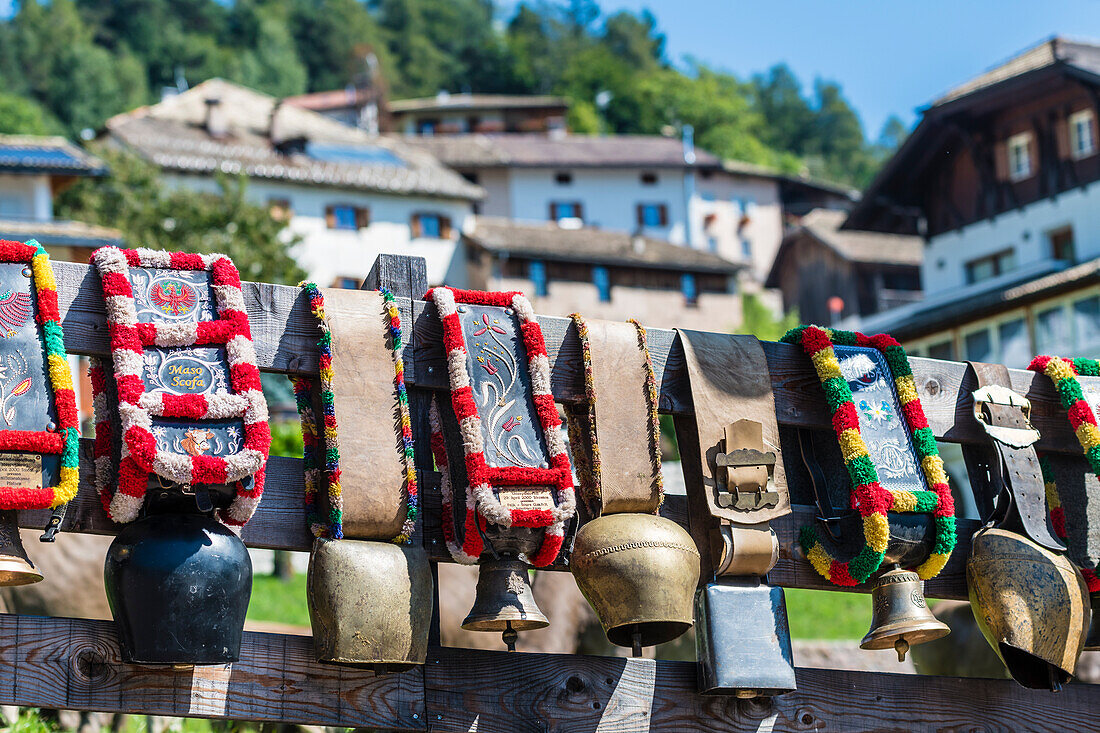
{"points": [[91, 664], [932, 386]]}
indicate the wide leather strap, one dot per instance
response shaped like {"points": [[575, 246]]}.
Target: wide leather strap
{"points": [[730, 382], [628, 479], [371, 460], [1015, 473]]}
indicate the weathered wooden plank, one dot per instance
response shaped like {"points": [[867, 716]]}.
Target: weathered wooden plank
{"points": [[286, 337], [75, 664], [498, 692]]}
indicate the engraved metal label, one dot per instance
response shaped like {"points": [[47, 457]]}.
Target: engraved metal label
{"points": [[526, 498], [881, 422], [186, 370], [172, 295], [21, 470], [497, 361]]}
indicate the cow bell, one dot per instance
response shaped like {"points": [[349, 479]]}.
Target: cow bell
{"points": [[639, 572], [1031, 604], [370, 603], [900, 616], [16, 567], [504, 601], [178, 586]]}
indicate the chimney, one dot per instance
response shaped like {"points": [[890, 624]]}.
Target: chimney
{"points": [[216, 123]]}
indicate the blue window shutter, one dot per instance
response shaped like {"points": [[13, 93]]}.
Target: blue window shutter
{"points": [[602, 280], [536, 271], [687, 287]]}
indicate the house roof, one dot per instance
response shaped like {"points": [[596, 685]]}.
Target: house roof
{"points": [[549, 241], [516, 150], [449, 102], [889, 204], [60, 232], [284, 142], [50, 155], [823, 226], [331, 99], [964, 305]]}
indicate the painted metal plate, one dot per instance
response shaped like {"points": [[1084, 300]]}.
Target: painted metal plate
{"points": [[497, 363], [172, 296]]}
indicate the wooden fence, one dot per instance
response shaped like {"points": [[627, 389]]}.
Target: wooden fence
{"points": [[75, 664]]}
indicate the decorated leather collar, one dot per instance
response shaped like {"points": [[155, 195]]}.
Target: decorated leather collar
{"points": [[185, 372], [868, 496], [496, 336], [37, 402]]}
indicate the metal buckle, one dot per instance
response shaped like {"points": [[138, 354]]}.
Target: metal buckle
{"points": [[996, 394], [746, 499]]}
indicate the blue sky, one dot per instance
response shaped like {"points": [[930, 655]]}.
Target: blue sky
{"points": [[890, 56]]}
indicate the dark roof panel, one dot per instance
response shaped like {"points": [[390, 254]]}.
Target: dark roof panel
{"points": [[56, 155]]}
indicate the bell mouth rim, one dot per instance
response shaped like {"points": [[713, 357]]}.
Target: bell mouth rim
{"points": [[500, 624], [653, 632], [15, 572], [887, 639]]}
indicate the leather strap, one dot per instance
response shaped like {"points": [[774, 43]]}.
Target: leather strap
{"points": [[748, 550], [730, 381], [628, 481], [1014, 474], [371, 460]]}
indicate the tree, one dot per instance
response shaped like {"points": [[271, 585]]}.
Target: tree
{"points": [[333, 39], [135, 200], [22, 116]]}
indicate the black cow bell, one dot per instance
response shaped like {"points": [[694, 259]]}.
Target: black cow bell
{"points": [[178, 586]]}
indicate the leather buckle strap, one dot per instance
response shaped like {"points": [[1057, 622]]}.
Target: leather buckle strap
{"points": [[995, 395], [743, 490]]}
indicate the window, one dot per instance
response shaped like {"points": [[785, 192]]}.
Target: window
{"points": [[712, 244], [1081, 137], [347, 283], [343, 216], [1086, 322], [1062, 245], [989, 266], [536, 273], [469, 176], [1019, 156], [430, 226], [979, 346], [1052, 332], [1015, 344], [566, 210], [944, 350], [746, 248], [652, 215], [280, 209], [649, 179], [602, 280], [563, 178], [688, 288], [426, 127]]}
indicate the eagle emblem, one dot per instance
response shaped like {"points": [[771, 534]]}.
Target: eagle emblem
{"points": [[15, 311], [174, 297]]}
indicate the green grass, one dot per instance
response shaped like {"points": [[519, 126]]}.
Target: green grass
{"points": [[823, 614], [279, 601]]}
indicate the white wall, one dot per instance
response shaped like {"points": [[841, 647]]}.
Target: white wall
{"points": [[1024, 230], [610, 197], [722, 195], [326, 254], [26, 197]]}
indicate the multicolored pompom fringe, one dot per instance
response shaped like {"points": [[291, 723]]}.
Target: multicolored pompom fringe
{"points": [[869, 497]]}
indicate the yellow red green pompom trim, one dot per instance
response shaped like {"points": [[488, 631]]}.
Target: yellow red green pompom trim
{"points": [[869, 497]]}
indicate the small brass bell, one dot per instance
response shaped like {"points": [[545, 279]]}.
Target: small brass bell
{"points": [[370, 603], [504, 601], [639, 572], [900, 616], [16, 567]]}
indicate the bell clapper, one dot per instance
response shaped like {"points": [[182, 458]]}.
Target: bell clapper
{"points": [[510, 635], [636, 642], [901, 646]]}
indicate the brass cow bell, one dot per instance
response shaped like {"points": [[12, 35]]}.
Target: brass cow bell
{"points": [[504, 601], [370, 603], [16, 567], [900, 616], [639, 572], [1031, 604]]}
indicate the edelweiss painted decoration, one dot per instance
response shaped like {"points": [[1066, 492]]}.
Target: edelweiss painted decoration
{"points": [[191, 408], [875, 369], [517, 469], [37, 403]]}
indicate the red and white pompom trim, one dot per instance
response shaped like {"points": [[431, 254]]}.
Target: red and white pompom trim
{"points": [[136, 408], [482, 477]]}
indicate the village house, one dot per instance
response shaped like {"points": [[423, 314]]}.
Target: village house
{"points": [[348, 195], [604, 274], [450, 114], [998, 180]]}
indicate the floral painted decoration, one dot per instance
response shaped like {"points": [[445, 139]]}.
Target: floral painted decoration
{"points": [[15, 311], [141, 454], [868, 496], [1064, 373], [481, 501]]}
